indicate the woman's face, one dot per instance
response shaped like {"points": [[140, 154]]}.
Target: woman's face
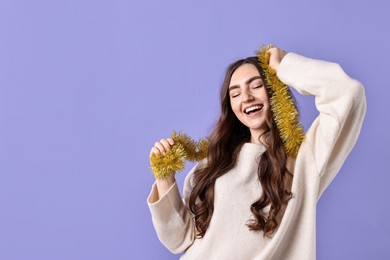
{"points": [[248, 98]]}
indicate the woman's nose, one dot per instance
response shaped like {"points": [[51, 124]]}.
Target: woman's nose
{"points": [[246, 97]]}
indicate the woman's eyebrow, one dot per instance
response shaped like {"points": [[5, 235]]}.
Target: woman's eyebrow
{"points": [[247, 82]]}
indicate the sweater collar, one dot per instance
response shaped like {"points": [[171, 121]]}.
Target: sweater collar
{"points": [[253, 148]]}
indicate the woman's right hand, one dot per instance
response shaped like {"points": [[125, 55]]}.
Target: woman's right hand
{"points": [[161, 148]]}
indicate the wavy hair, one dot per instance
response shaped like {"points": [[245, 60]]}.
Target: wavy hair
{"points": [[225, 142]]}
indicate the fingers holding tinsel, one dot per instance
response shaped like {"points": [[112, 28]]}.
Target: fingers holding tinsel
{"points": [[170, 163], [173, 161]]}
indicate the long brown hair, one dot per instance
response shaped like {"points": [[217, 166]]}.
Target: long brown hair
{"points": [[225, 142]]}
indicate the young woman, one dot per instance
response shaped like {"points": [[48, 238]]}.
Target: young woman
{"points": [[250, 198]]}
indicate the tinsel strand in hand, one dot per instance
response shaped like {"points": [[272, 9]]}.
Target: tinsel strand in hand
{"points": [[173, 161]]}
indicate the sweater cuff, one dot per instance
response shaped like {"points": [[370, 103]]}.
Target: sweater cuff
{"points": [[171, 200]]}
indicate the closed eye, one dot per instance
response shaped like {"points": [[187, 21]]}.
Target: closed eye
{"points": [[235, 95], [258, 86]]}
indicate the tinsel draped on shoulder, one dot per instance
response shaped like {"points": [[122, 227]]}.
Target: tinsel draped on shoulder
{"points": [[284, 112], [173, 161]]}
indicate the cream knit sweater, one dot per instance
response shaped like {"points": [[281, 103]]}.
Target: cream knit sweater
{"points": [[341, 103]]}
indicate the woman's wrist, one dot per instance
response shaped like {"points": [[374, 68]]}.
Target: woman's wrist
{"points": [[164, 184]]}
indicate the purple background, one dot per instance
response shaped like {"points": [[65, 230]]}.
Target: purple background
{"points": [[87, 87]]}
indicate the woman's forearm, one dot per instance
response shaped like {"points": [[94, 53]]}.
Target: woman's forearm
{"points": [[164, 184]]}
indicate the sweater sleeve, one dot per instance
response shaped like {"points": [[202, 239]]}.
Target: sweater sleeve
{"points": [[171, 218], [341, 103]]}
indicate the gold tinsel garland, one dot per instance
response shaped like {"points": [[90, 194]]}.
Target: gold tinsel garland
{"points": [[284, 112], [173, 161], [282, 105]]}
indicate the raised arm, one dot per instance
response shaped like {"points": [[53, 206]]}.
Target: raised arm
{"points": [[341, 103]]}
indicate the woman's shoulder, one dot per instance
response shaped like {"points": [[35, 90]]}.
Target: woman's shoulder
{"points": [[189, 179], [198, 166]]}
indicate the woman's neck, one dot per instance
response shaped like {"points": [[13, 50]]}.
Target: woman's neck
{"points": [[257, 137]]}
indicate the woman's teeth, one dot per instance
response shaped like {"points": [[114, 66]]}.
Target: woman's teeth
{"points": [[252, 109]]}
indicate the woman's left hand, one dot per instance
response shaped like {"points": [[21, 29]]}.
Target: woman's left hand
{"points": [[276, 56]]}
